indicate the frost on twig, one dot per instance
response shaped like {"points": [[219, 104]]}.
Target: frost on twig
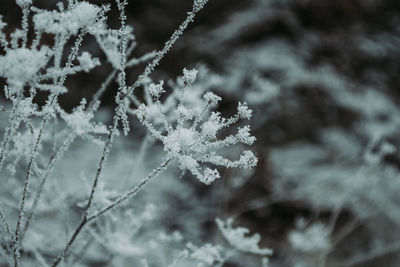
{"points": [[193, 139]]}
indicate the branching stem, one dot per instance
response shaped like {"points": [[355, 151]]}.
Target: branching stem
{"points": [[88, 219]]}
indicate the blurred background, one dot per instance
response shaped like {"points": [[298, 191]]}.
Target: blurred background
{"points": [[322, 78]]}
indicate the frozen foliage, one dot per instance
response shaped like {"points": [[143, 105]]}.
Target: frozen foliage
{"points": [[40, 145], [193, 138]]}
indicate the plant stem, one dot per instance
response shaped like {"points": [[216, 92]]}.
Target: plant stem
{"points": [[87, 219]]}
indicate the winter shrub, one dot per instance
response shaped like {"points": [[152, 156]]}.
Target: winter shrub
{"points": [[49, 153]]}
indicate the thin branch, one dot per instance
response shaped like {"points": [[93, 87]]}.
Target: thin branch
{"points": [[82, 251], [43, 125], [160, 54], [133, 191], [71, 240], [106, 152], [23, 198], [25, 24], [118, 114], [345, 231], [68, 141], [102, 89], [144, 58], [118, 111], [92, 107], [87, 219], [15, 122]]}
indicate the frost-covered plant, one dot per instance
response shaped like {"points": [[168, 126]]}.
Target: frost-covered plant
{"points": [[192, 139], [39, 135]]}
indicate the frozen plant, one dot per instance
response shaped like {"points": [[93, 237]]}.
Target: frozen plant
{"points": [[38, 135], [193, 138]]}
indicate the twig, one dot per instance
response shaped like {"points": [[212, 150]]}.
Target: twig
{"points": [[133, 191], [87, 219], [92, 107], [23, 198], [118, 114], [46, 119], [48, 171]]}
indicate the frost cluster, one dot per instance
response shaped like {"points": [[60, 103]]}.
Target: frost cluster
{"points": [[194, 139], [81, 15], [19, 65]]}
